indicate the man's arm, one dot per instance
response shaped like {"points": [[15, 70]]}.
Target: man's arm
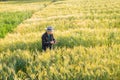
{"points": [[54, 39], [44, 41]]}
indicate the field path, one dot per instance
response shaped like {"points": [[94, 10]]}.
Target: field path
{"points": [[53, 17]]}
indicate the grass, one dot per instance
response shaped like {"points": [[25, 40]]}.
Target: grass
{"points": [[88, 34], [12, 14], [9, 20]]}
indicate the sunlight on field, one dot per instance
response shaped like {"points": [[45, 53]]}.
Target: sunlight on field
{"points": [[16, 6], [88, 35]]}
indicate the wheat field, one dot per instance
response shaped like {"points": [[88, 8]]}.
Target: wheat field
{"points": [[87, 31]]}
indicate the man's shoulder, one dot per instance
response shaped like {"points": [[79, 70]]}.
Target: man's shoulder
{"points": [[44, 34]]}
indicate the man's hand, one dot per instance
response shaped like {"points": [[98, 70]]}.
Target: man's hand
{"points": [[52, 42]]}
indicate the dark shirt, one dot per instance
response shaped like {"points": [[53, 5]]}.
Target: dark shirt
{"points": [[46, 39]]}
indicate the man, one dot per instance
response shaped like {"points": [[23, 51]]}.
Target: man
{"points": [[48, 39]]}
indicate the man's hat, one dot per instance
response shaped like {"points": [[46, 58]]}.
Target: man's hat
{"points": [[49, 28]]}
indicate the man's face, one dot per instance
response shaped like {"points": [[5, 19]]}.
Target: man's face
{"points": [[50, 32]]}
